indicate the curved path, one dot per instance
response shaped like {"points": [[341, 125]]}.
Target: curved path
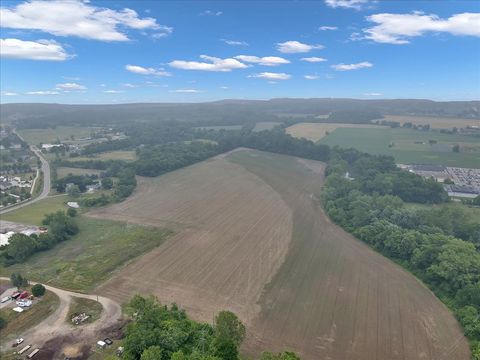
{"points": [[55, 325]]}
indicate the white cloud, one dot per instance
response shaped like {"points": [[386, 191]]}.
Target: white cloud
{"points": [[292, 46], [313, 59], [234, 42], [397, 28], [9, 93], [76, 18], [128, 85], [266, 60], [70, 87], [348, 4], [373, 94], [347, 67], [184, 91], [213, 64], [113, 91], [224, 87], [46, 92], [311, 77], [271, 76], [211, 13], [324, 28], [33, 50], [146, 71]]}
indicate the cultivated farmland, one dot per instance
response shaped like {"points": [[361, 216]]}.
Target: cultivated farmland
{"points": [[433, 121], [316, 131], [253, 238], [409, 146]]}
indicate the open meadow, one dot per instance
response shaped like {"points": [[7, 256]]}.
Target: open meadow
{"points": [[253, 238], [61, 133], [409, 146], [316, 131], [435, 122], [89, 257]]}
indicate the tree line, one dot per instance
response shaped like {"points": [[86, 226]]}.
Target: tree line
{"points": [[61, 227], [440, 250], [158, 332]]}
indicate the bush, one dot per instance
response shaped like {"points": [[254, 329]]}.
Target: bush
{"points": [[72, 212], [38, 290]]}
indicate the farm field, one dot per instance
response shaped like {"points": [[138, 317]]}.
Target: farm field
{"points": [[265, 125], [88, 258], [410, 146], [64, 171], [253, 238], [128, 155], [220, 127], [434, 122], [49, 135], [316, 131]]}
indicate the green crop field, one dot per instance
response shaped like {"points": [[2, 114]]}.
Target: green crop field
{"points": [[220, 127], [62, 133], [88, 258], [410, 146], [128, 155], [64, 171], [265, 125]]}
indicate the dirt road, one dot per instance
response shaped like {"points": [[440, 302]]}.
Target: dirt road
{"points": [[55, 325]]}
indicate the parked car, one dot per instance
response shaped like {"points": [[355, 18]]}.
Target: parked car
{"points": [[108, 341]]}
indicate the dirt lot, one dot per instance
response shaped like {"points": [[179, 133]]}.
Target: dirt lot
{"points": [[435, 122], [316, 131], [254, 239]]}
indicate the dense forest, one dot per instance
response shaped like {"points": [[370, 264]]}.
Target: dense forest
{"points": [[438, 245], [158, 332]]}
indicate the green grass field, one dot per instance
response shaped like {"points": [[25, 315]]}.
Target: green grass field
{"points": [[64, 171], [265, 125], [220, 127], [409, 146], [62, 133], [34, 213], [80, 305], [472, 212], [89, 257], [128, 155]]}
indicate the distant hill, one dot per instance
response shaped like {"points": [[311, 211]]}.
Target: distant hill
{"points": [[227, 111]]}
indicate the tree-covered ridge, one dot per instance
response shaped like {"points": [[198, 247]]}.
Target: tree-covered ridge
{"points": [[443, 252], [158, 332]]}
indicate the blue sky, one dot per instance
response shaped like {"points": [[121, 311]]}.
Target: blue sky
{"points": [[132, 51]]}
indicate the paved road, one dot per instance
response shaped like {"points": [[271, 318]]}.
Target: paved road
{"points": [[46, 183], [56, 325]]}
